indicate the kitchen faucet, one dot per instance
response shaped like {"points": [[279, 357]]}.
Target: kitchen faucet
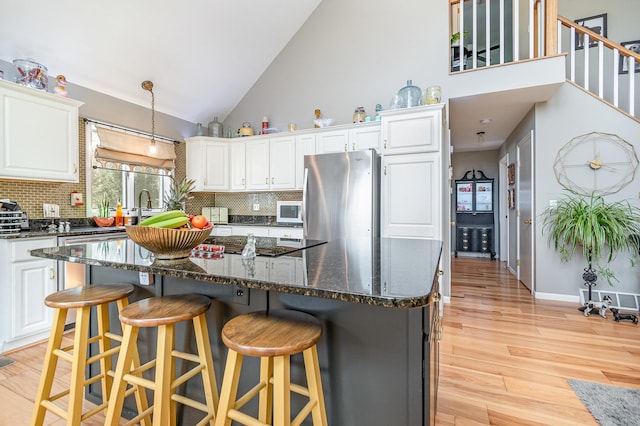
{"points": [[140, 203]]}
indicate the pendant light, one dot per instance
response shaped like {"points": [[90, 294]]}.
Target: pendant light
{"points": [[148, 85]]}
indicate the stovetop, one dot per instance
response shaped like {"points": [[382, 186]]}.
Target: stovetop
{"points": [[265, 246]]}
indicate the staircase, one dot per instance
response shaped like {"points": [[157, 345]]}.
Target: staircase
{"points": [[493, 36]]}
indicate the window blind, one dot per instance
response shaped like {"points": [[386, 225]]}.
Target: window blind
{"points": [[125, 148]]}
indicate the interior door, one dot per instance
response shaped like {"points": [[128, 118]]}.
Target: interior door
{"points": [[524, 199]]}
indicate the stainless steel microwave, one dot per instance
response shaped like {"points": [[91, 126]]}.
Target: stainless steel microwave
{"points": [[289, 212]]}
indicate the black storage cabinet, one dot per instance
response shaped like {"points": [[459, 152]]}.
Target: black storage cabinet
{"points": [[474, 213]]}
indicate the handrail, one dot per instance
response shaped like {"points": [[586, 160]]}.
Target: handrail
{"points": [[595, 36]]}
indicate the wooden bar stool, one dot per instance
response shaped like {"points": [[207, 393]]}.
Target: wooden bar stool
{"points": [[273, 336], [163, 313], [82, 299]]}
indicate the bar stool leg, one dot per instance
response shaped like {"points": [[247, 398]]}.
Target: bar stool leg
{"points": [[229, 389], [282, 390], [104, 344], [142, 404], [163, 406], [266, 393], [314, 383], [116, 397], [50, 364], [205, 357], [78, 366]]}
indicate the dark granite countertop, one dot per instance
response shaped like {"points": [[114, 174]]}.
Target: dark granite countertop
{"points": [[388, 272], [88, 230]]}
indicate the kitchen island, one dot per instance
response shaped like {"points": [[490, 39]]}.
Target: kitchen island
{"points": [[376, 299]]}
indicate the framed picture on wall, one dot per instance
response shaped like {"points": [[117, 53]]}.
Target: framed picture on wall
{"points": [[597, 24], [623, 67]]}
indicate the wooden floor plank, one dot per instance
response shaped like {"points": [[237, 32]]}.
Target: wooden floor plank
{"points": [[505, 357]]}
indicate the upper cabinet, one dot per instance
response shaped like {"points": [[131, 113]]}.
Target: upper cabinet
{"points": [[305, 145], [419, 130], [270, 162], [351, 138], [208, 164], [282, 162], [38, 135]]}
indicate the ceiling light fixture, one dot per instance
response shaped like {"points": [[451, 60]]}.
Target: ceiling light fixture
{"points": [[485, 121], [148, 86], [480, 137]]}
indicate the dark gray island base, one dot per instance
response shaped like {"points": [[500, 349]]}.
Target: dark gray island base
{"points": [[377, 301]]}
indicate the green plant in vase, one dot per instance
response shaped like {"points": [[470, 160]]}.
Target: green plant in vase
{"points": [[103, 207], [601, 228], [178, 194]]}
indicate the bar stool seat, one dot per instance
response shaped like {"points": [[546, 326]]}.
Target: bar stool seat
{"points": [[83, 299], [273, 337], [164, 313]]}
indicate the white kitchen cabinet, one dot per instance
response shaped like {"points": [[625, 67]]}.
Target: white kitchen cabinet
{"points": [[411, 130], [208, 164], [411, 194], [286, 232], [257, 164], [258, 231], [332, 141], [238, 166], [222, 231], [365, 136], [38, 135], [24, 284], [282, 162], [305, 145]]}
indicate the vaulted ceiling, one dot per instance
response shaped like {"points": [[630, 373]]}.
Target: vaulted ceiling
{"points": [[201, 55]]}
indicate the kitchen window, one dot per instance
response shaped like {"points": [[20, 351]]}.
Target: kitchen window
{"points": [[123, 176]]}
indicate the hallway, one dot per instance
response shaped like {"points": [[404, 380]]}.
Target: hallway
{"points": [[505, 357]]}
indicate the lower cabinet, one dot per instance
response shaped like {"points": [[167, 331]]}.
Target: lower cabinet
{"points": [[24, 284]]}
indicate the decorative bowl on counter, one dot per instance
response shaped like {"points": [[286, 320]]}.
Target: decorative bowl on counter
{"points": [[104, 221], [167, 243]]}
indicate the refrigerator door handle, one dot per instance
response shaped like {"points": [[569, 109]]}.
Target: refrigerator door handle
{"points": [[303, 213]]}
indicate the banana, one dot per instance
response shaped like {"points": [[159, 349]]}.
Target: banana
{"points": [[175, 222], [162, 217]]}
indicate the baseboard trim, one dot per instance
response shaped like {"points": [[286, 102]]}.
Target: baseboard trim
{"points": [[557, 297]]}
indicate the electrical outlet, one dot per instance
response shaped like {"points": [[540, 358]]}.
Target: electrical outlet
{"points": [[145, 278], [240, 295], [50, 210]]}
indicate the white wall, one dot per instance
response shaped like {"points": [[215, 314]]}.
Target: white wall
{"points": [[349, 54]]}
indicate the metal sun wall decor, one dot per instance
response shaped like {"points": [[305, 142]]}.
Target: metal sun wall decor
{"points": [[596, 163]]}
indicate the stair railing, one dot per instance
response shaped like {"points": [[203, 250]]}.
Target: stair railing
{"points": [[600, 66]]}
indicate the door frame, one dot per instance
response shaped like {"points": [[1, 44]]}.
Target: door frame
{"points": [[530, 137], [503, 222]]}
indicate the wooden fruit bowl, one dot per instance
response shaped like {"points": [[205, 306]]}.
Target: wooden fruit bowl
{"points": [[167, 243], [104, 221]]}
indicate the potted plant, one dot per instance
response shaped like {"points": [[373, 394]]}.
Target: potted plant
{"points": [[178, 194], [601, 228], [455, 50]]}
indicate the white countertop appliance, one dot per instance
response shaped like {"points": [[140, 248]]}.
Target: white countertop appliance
{"points": [[216, 214], [289, 212]]}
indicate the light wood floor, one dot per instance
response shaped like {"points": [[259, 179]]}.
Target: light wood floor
{"points": [[504, 360], [505, 357]]}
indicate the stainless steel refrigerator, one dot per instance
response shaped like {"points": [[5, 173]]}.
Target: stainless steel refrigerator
{"points": [[341, 195]]}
